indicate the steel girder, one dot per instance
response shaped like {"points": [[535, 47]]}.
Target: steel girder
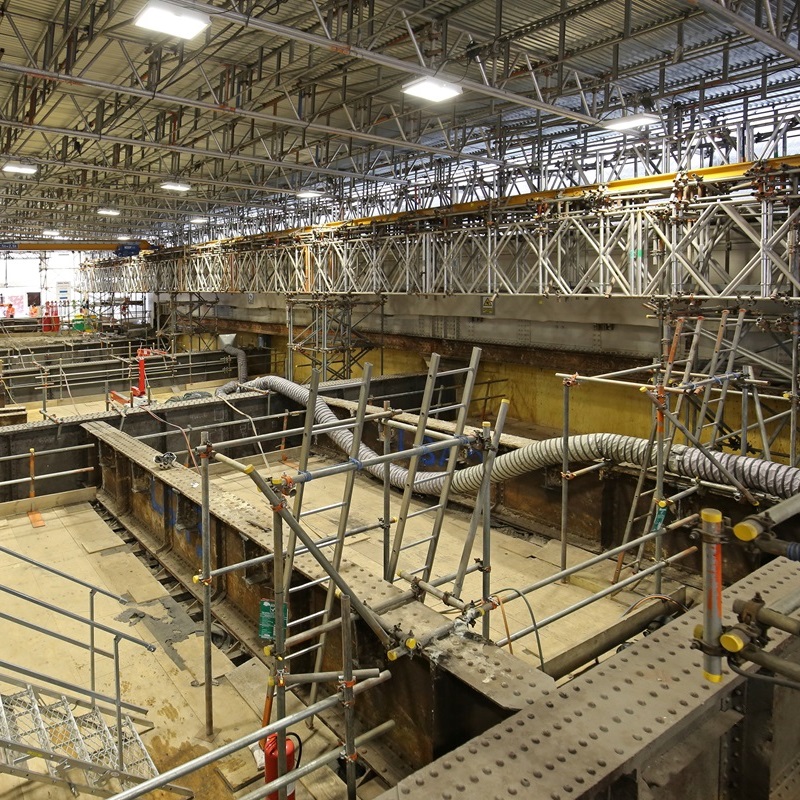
{"points": [[719, 247]]}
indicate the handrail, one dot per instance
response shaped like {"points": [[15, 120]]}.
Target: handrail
{"points": [[61, 574], [21, 456], [93, 626], [78, 618], [225, 750], [40, 676], [63, 637]]}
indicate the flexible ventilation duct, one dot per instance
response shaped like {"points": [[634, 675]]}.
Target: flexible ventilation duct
{"points": [[226, 341], [779, 480]]}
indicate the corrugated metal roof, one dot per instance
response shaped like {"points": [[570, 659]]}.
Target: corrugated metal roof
{"points": [[665, 53]]}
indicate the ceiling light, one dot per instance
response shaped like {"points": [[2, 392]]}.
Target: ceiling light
{"points": [[308, 194], [49, 232], [108, 212], [198, 220], [123, 237], [20, 168], [630, 121], [432, 89], [176, 186], [171, 20]]}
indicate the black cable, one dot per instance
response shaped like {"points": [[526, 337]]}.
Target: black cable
{"points": [[767, 678], [299, 747]]}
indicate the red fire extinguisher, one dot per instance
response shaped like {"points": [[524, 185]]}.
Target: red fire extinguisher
{"points": [[293, 755]]}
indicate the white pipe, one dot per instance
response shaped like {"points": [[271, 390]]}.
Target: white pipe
{"points": [[779, 480]]}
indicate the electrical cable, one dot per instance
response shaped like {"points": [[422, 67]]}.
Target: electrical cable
{"points": [[522, 597], [252, 425], [171, 425], [664, 597], [767, 678], [69, 391]]}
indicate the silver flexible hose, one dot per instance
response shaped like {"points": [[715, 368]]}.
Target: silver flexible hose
{"points": [[241, 361], [779, 480]]}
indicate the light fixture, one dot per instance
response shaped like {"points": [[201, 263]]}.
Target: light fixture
{"points": [[176, 186], [171, 19], [108, 212], [198, 220], [123, 237], [50, 232], [629, 121], [20, 168], [433, 89], [308, 194]]}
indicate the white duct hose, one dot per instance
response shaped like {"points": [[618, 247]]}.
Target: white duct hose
{"points": [[241, 361], [779, 480]]}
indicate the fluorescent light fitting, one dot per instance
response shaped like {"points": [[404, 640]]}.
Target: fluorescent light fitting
{"points": [[51, 233], [123, 237], [308, 194], [432, 89], [172, 20], [20, 168], [630, 121], [198, 220], [108, 212], [176, 186]]}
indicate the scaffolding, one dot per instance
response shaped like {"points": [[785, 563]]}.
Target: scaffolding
{"points": [[193, 315], [715, 233], [726, 381], [331, 340]]}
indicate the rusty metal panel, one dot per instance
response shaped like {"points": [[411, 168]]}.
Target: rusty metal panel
{"points": [[603, 726]]}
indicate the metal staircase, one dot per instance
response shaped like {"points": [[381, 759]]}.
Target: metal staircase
{"points": [[81, 741], [55, 741]]}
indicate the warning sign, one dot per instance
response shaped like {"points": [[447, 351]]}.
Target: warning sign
{"points": [[487, 305]]}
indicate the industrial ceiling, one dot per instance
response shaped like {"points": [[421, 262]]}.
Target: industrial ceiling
{"points": [[281, 97]]}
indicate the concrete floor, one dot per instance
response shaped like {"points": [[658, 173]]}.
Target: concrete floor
{"points": [[77, 541]]}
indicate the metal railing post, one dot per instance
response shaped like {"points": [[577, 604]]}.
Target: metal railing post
{"points": [[204, 451], [118, 707], [92, 673], [348, 699]]}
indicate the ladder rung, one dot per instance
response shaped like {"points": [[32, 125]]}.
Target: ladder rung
{"points": [[416, 571], [459, 371], [417, 543], [303, 651], [308, 585], [423, 511], [320, 509], [647, 493], [442, 409], [305, 619], [641, 516]]}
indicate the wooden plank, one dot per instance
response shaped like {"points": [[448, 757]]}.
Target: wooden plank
{"points": [[36, 519]]}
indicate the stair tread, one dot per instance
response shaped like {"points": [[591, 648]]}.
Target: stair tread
{"points": [[51, 726]]}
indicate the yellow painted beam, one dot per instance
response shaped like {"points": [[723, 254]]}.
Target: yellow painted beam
{"points": [[58, 244]]}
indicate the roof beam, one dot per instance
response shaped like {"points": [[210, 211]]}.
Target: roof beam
{"points": [[200, 152], [221, 108], [353, 51], [717, 9]]}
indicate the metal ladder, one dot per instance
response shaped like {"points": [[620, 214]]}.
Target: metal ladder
{"points": [[412, 483]]}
